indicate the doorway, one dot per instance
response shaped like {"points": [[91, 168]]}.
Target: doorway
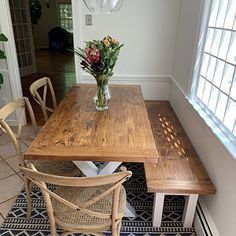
{"points": [[44, 48]]}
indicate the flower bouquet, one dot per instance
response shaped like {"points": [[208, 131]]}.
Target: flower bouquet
{"points": [[98, 58]]}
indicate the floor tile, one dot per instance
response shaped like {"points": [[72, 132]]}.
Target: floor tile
{"points": [[13, 162], [5, 207], [5, 170], [4, 138], [8, 150], [10, 187]]}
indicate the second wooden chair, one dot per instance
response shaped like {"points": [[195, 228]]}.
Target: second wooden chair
{"points": [[41, 99]]}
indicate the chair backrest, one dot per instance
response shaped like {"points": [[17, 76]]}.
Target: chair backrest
{"points": [[18, 105], [41, 99], [113, 181]]}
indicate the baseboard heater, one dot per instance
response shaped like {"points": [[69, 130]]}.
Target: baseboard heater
{"points": [[201, 225]]}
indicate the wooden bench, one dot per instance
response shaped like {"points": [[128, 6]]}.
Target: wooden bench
{"points": [[179, 170]]}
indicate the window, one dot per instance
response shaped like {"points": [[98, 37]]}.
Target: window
{"points": [[215, 77], [66, 16]]}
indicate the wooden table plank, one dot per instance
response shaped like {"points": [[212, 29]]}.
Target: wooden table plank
{"points": [[76, 131]]}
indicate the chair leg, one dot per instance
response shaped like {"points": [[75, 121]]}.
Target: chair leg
{"points": [[28, 198], [115, 229], [119, 227]]}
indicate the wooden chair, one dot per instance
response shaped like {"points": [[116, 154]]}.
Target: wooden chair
{"points": [[82, 205], [44, 83], [66, 168]]}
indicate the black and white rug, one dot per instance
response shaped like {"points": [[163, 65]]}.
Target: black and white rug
{"points": [[17, 225]]}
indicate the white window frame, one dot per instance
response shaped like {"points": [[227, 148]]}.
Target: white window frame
{"points": [[225, 136]]}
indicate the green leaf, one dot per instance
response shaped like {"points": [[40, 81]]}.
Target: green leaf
{"points": [[3, 38], [2, 55], [1, 79]]}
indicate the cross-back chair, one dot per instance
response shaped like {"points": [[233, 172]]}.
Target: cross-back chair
{"points": [[54, 167], [84, 204], [41, 99]]}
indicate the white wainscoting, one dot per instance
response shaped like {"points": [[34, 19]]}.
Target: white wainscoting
{"points": [[153, 87]]}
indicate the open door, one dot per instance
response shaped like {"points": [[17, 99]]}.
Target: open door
{"points": [[23, 36]]}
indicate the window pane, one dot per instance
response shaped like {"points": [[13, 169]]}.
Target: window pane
{"points": [[224, 44], [227, 78], [229, 20], [219, 73], [213, 98], [232, 50], [230, 115], [233, 89], [211, 68], [222, 13], [214, 11], [216, 42], [221, 106]]}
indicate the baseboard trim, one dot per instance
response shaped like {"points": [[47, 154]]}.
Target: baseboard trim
{"points": [[203, 222]]}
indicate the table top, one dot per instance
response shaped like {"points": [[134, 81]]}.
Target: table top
{"points": [[76, 131]]}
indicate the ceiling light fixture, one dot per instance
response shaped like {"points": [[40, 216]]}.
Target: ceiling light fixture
{"points": [[103, 6]]}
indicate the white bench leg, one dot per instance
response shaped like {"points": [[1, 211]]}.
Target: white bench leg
{"points": [[189, 210], [157, 209]]}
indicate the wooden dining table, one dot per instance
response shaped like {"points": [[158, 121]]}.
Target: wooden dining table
{"points": [[77, 132]]}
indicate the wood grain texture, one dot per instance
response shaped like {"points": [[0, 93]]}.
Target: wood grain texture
{"points": [[76, 131], [179, 169]]}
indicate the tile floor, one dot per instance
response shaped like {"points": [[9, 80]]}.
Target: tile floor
{"points": [[11, 181]]}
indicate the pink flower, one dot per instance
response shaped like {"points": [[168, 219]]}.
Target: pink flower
{"points": [[92, 55]]}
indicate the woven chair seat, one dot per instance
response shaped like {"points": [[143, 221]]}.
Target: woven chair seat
{"points": [[67, 217], [62, 168]]}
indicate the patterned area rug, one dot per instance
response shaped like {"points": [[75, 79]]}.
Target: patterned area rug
{"points": [[17, 225]]}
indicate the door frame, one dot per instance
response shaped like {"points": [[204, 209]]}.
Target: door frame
{"points": [[77, 34], [11, 55]]}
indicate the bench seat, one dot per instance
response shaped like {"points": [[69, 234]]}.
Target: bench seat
{"points": [[179, 170]]}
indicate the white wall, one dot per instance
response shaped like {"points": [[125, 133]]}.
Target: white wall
{"points": [[148, 29], [219, 163]]}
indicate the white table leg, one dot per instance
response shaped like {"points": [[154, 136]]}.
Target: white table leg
{"points": [[129, 211], [108, 168], [87, 167], [158, 204], [189, 210]]}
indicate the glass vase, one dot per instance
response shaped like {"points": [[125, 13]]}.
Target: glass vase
{"points": [[102, 94]]}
